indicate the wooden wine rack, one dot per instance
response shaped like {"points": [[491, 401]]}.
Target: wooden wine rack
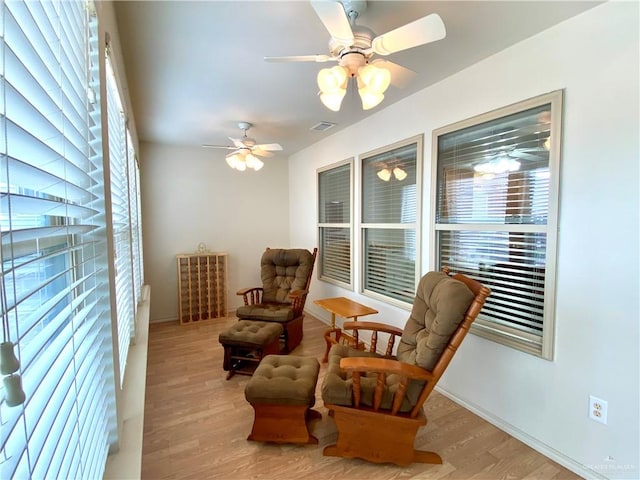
{"points": [[202, 287]]}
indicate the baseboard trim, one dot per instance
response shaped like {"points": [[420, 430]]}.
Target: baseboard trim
{"points": [[543, 448]]}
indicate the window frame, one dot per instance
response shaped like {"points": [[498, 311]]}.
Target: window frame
{"points": [[322, 255], [543, 345], [417, 226]]}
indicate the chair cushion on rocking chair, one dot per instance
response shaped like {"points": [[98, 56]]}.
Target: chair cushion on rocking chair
{"points": [[439, 308], [337, 387], [283, 271], [266, 312]]}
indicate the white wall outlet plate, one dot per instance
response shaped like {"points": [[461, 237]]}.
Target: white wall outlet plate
{"points": [[598, 409]]}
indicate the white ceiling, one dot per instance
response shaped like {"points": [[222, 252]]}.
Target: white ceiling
{"points": [[195, 69]]}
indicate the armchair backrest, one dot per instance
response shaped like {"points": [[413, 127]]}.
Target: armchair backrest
{"points": [[284, 271]]}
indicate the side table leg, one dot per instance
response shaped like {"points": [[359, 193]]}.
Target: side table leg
{"points": [[337, 333]]}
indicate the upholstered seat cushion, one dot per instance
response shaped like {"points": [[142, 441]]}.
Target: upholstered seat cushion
{"points": [[439, 307], [284, 380], [246, 333], [266, 312]]}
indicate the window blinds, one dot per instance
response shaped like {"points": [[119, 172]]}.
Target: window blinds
{"points": [[54, 265], [493, 200], [135, 218], [121, 218], [389, 222], [334, 219]]}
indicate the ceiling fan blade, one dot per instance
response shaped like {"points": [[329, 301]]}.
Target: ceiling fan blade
{"points": [[261, 152], [400, 76], [227, 147], [424, 30], [269, 146], [237, 142], [524, 155], [335, 20], [302, 58]]}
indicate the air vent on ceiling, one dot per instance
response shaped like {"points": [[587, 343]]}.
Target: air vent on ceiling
{"points": [[322, 126]]}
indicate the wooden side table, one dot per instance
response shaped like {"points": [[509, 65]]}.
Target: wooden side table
{"points": [[345, 308]]}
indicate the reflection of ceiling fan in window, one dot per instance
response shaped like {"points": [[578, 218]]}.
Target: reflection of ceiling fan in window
{"points": [[505, 154]]}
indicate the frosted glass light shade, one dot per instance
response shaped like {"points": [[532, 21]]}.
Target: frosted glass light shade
{"points": [[369, 99], [332, 83], [372, 83], [333, 100], [399, 173], [376, 79], [332, 79], [384, 174], [253, 162]]}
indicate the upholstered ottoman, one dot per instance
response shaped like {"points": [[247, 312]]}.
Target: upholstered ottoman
{"points": [[282, 392], [246, 343]]}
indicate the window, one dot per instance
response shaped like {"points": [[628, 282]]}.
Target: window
{"points": [[56, 266], [496, 213], [334, 224], [390, 221], [124, 218]]}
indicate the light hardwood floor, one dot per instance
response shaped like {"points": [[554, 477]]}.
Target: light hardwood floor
{"points": [[196, 423]]}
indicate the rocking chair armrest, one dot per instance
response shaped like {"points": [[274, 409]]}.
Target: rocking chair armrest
{"points": [[244, 291], [387, 366], [376, 326], [251, 296]]}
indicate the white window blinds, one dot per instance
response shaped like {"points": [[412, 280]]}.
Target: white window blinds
{"points": [[121, 218], [334, 224], [495, 216], [390, 221], [54, 265], [135, 218]]}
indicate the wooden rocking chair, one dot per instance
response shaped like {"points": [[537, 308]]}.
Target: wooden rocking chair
{"points": [[286, 276], [377, 400]]}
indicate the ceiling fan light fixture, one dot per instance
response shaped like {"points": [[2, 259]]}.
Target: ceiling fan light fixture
{"points": [[384, 174], [333, 86], [253, 162], [501, 165], [370, 99], [332, 79], [333, 100], [372, 83], [376, 79], [399, 173], [236, 161]]}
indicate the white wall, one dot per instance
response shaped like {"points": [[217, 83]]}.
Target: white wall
{"points": [[190, 195], [594, 57]]}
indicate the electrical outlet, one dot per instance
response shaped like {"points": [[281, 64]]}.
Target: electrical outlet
{"points": [[597, 409]]}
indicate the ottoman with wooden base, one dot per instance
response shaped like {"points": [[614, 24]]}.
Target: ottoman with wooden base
{"points": [[246, 343], [282, 392]]}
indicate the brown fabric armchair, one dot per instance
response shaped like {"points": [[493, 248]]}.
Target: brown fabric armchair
{"points": [[376, 399], [286, 275]]}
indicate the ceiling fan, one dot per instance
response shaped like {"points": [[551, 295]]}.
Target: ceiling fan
{"points": [[245, 150], [508, 158], [353, 47]]}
